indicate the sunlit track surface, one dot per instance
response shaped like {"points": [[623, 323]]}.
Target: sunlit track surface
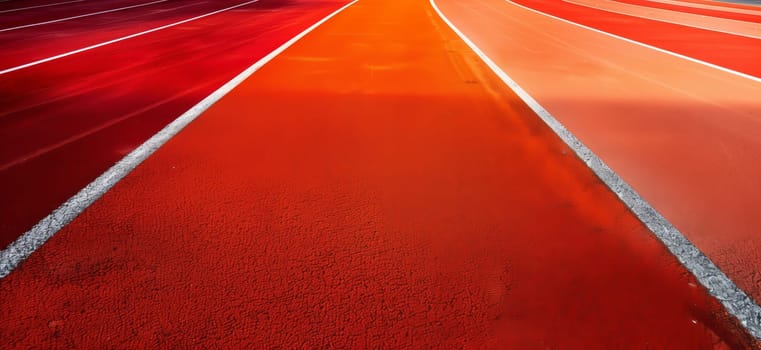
{"points": [[64, 122], [683, 134], [371, 183], [396, 195]]}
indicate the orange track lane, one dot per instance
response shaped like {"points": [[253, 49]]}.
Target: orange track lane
{"points": [[684, 135], [374, 186]]}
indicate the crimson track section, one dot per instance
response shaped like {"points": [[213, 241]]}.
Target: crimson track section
{"points": [[64, 122]]}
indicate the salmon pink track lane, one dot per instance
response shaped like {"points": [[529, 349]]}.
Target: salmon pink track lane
{"points": [[684, 135], [375, 186], [738, 53], [64, 122]]}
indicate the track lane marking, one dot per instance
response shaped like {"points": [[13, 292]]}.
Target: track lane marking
{"points": [[734, 300], [708, 7], [40, 6], [109, 42], [76, 137], [695, 60], [81, 16], [720, 25], [33, 239]]}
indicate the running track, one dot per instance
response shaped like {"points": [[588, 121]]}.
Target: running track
{"points": [[407, 198], [64, 122]]}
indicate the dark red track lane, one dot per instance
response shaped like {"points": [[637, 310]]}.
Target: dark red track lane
{"points": [[697, 11], [43, 14], [13, 5], [738, 53], [30, 44], [65, 122]]}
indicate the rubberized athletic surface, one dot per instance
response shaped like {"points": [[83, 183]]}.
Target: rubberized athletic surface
{"points": [[375, 185]]}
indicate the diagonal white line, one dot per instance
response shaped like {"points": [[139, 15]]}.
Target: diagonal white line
{"points": [[708, 7], [80, 16], [707, 273], [723, 69], [40, 6], [685, 19], [88, 48], [33, 239]]}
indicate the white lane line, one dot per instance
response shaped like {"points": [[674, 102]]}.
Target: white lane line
{"points": [[715, 24], [80, 16], [708, 7], [716, 282], [40, 6], [33, 239], [723, 69], [88, 48]]}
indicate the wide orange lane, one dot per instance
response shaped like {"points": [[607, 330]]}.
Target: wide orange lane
{"points": [[373, 186]]}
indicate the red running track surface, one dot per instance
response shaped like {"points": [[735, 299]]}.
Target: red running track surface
{"points": [[397, 195], [63, 123]]}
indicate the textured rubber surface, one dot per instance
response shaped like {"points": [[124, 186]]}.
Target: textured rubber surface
{"points": [[661, 122], [394, 194]]}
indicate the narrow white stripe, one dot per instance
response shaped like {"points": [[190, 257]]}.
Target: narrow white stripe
{"points": [[40, 6], [716, 282], [679, 18], [88, 48], [708, 7], [80, 16], [723, 69], [30, 241]]}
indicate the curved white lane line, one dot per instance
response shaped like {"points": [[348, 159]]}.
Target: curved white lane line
{"points": [[679, 18], [709, 275], [40, 6], [33, 239], [723, 69], [88, 48], [80, 16]]}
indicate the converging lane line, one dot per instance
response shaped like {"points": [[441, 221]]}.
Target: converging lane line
{"points": [[88, 48], [81, 16], [33, 239], [716, 282], [723, 69], [708, 7], [715, 24], [40, 6]]}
